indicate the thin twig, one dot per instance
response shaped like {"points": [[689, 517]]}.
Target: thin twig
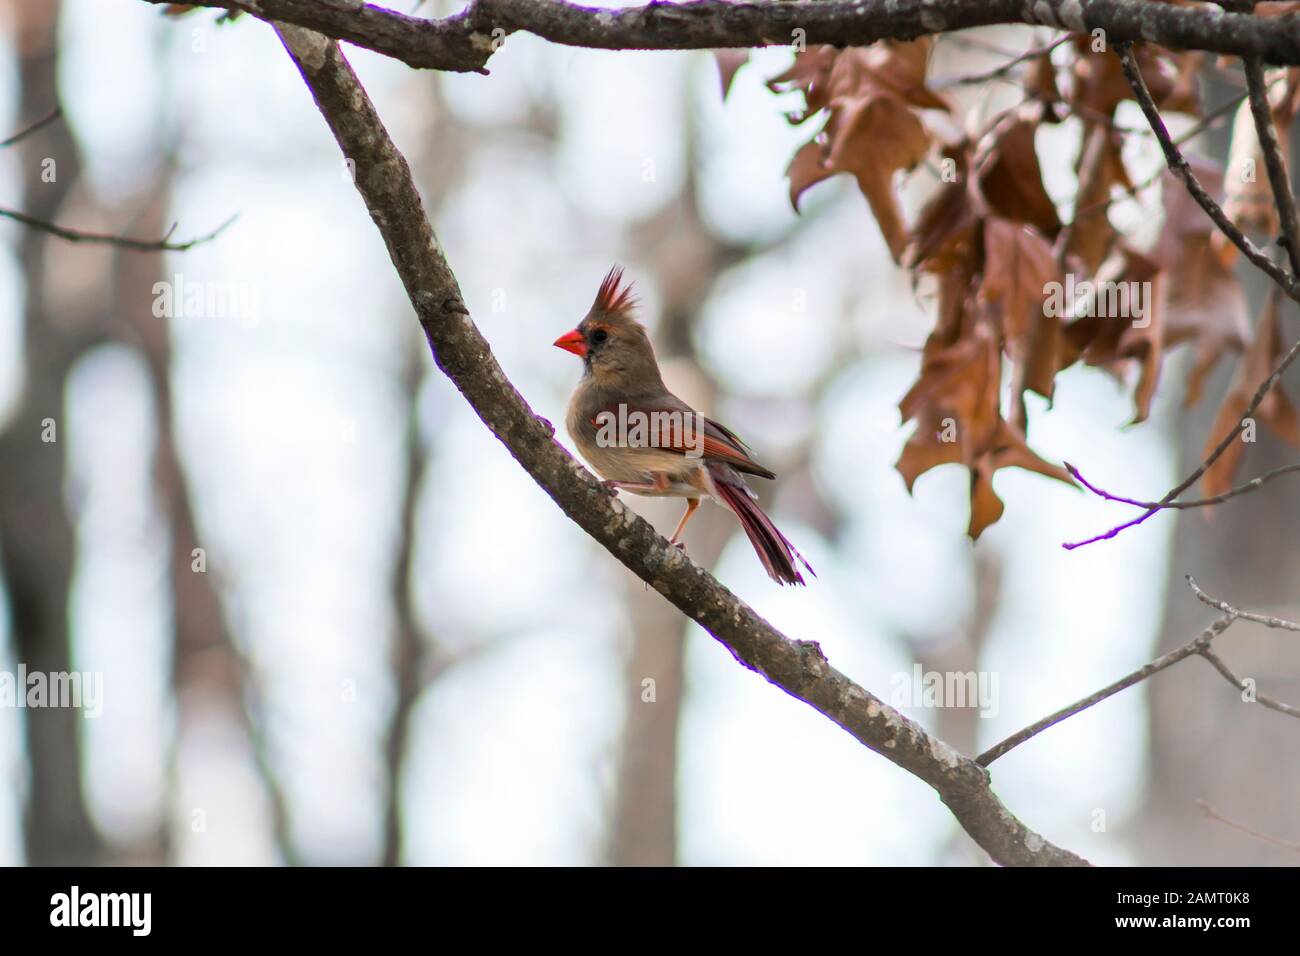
{"points": [[1278, 178], [1201, 126], [1217, 662], [1226, 608], [1139, 675], [1262, 699], [998, 71], [1253, 485], [140, 245], [1179, 166], [1214, 814], [41, 123]]}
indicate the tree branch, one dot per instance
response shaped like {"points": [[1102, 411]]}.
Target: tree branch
{"points": [[464, 42], [1285, 281], [1213, 814], [1226, 608], [1201, 646], [1142, 673], [797, 667], [1179, 166], [1278, 177], [1263, 700], [26, 131], [1244, 488], [124, 242]]}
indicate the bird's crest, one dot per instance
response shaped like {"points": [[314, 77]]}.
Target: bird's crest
{"points": [[614, 297]]}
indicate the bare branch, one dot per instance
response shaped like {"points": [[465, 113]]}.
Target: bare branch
{"points": [[1261, 699], [460, 351], [1139, 675], [125, 242], [1207, 122], [1214, 814], [26, 131], [999, 72], [1226, 608], [1178, 165], [1201, 646], [1273, 160], [465, 41], [1253, 485]]}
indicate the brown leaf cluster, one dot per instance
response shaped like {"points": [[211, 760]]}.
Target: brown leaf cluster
{"points": [[1021, 293], [870, 97]]}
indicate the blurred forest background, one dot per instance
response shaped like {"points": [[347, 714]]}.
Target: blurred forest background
{"points": [[337, 624]]}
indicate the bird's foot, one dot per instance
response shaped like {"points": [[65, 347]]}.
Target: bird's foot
{"points": [[679, 545], [611, 488]]}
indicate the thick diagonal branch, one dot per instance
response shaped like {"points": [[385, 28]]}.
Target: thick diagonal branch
{"points": [[797, 667], [465, 41]]}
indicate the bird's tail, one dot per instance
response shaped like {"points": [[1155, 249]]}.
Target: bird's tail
{"points": [[774, 549]]}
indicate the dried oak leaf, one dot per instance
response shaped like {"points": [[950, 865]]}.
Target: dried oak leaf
{"points": [[943, 237], [809, 73], [872, 131], [1098, 85], [1118, 318], [806, 169], [1099, 169], [900, 67], [1007, 183], [873, 137], [956, 291], [955, 403], [1018, 265], [1266, 350], [1009, 178]]}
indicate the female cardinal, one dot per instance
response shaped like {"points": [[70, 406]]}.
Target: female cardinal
{"points": [[642, 438]]}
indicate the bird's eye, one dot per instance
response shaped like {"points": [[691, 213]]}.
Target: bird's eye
{"points": [[599, 336]]}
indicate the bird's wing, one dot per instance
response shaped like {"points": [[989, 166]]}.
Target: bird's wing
{"points": [[677, 428]]}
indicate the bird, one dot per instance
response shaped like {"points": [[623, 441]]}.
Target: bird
{"points": [[643, 439]]}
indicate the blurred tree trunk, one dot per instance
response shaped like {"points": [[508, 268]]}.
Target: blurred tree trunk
{"points": [[439, 163], [1205, 742], [208, 673], [36, 535], [408, 652], [963, 652]]}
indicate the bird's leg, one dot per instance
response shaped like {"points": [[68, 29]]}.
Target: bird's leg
{"points": [[660, 484], [691, 505]]}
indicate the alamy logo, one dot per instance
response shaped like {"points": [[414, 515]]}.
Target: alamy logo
{"points": [[922, 688], [1104, 299], [58, 689], [639, 428], [180, 298], [103, 909]]}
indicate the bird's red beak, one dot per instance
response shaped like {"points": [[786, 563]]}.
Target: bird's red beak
{"points": [[573, 342]]}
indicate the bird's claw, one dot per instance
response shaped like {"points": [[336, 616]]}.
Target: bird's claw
{"points": [[611, 488]]}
